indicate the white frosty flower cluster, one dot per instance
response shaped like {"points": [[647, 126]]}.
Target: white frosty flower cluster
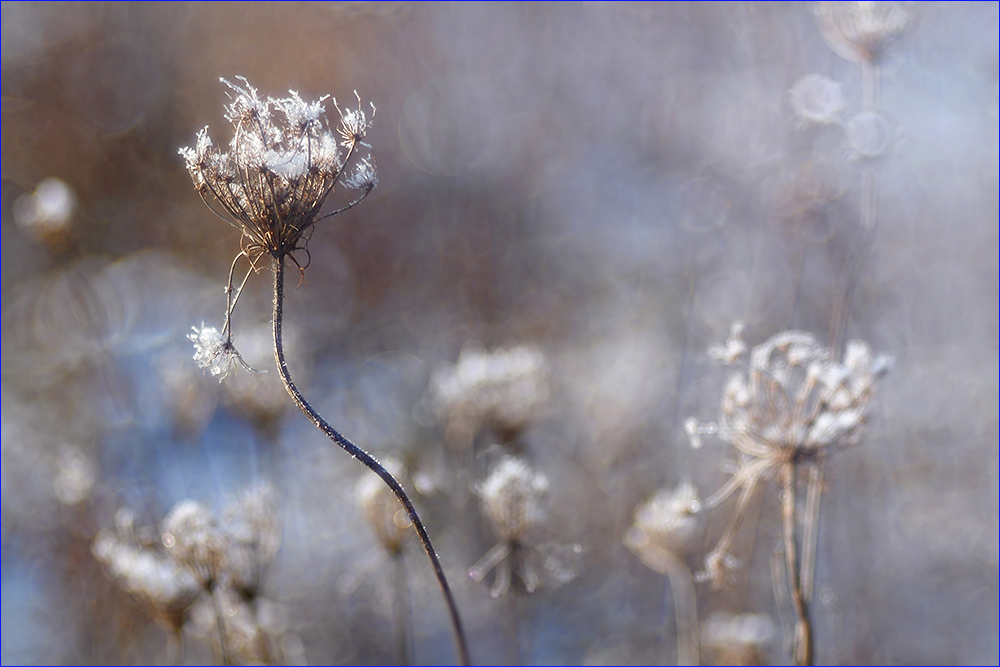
{"points": [[215, 352], [789, 401], [666, 523], [512, 498], [193, 552], [282, 162], [794, 395], [506, 389], [737, 639], [859, 31]]}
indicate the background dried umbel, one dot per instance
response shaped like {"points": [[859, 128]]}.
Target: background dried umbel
{"points": [[614, 185]]}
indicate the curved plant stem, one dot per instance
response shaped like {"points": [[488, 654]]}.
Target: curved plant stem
{"points": [[278, 265]]}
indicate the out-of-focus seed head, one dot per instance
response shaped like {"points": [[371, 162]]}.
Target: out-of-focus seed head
{"points": [[254, 531], [667, 523], [194, 540], [512, 497], [382, 509], [859, 31], [507, 389], [146, 572], [817, 99], [737, 639]]}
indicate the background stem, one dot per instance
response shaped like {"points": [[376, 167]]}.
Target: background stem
{"points": [[802, 654]]}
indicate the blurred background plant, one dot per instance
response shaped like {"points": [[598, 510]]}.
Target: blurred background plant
{"points": [[609, 186]]}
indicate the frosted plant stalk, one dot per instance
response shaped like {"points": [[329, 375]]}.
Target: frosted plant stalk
{"points": [[283, 162]]}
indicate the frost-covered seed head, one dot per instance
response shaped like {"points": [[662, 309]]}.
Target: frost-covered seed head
{"points": [[282, 163], [667, 521], [512, 497], [194, 540], [737, 639], [859, 31], [507, 388], [147, 573], [254, 531]]}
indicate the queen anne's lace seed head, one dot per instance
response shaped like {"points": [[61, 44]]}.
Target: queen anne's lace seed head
{"points": [[512, 497], [668, 523], [146, 571], [213, 351], [859, 31], [790, 401], [737, 639], [282, 163], [194, 540], [254, 537], [507, 388]]}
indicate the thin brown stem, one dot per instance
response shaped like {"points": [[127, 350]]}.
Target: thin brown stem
{"points": [[802, 654], [278, 264], [810, 531], [220, 622]]}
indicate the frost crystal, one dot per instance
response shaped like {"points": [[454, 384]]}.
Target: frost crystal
{"points": [[213, 351]]}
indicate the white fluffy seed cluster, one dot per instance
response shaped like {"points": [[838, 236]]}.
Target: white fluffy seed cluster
{"points": [[194, 551], [859, 31], [506, 388], [667, 522], [794, 395], [513, 498], [282, 163]]}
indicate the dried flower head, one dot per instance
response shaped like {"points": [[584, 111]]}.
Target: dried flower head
{"points": [[254, 531], [214, 352], [859, 31], [791, 402], [506, 388], [382, 509], [667, 523], [282, 163], [737, 639], [512, 499], [194, 540], [146, 572]]}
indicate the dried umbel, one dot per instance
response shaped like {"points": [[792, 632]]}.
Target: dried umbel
{"points": [[147, 572], [666, 523], [790, 402], [665, 530], [195, 540], [251, 522], [506, 388], [859, 31], [737, 639], [513, 500], [282, 163], [382, 510], [512, 497]]}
